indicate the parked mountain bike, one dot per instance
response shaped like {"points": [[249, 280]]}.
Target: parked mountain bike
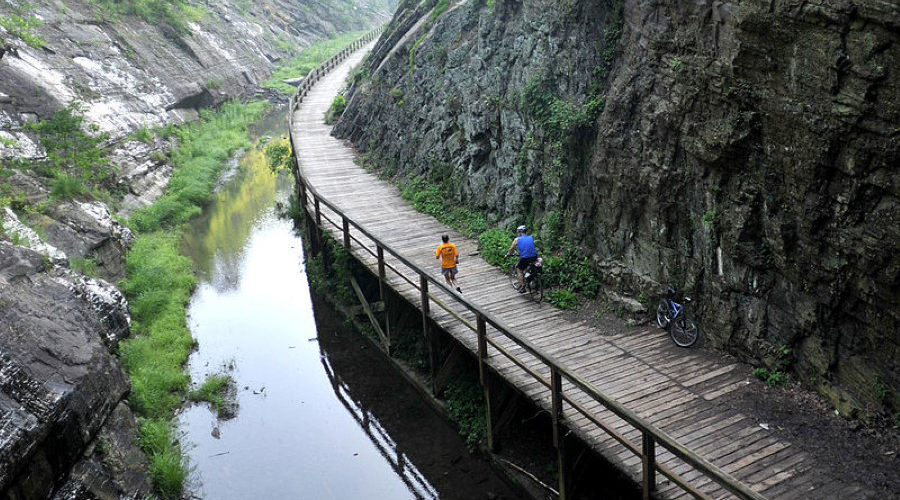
{"points": [[671, 315], [533, 286]]}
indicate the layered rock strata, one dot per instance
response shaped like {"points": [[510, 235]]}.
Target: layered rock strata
{"points": [[744, 150]]}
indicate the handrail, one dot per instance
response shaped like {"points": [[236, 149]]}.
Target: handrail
{"points": [[651, 435]]}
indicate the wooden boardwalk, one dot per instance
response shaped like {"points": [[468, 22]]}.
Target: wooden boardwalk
{"points": [[680, 391]]}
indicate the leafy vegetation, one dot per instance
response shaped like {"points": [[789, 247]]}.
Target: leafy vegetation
{"points": [[336, 109], [771, 377], [310, 57], [572, 269], [167, 467], [494, 243], [434, 199], [77, 160], [465, 403], [278, 154], [173, 14], [158, 284], [563, 298], [204, 146], [86, 266], [213, 390], [22, 25]]}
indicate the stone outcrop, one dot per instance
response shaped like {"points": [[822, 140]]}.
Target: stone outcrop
{"points": [[744, 150], [58, 380]]}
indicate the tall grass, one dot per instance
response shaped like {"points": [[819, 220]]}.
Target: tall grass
{"points": [[204, 148], [308, 59], [159, 281]]}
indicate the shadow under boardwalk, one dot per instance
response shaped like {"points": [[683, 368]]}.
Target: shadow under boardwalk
{"points": [[681, 392]]}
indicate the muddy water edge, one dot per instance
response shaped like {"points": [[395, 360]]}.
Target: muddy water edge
{"points": [[320, 414]]}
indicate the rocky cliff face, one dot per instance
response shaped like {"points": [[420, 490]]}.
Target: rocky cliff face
{"points": [[745, 150], [66, 431]]}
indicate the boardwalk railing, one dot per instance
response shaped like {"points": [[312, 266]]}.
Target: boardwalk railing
{"points": [[315, 74], [563, 384]]}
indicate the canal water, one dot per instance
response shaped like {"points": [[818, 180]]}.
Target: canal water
{"points": [[321, 414]]}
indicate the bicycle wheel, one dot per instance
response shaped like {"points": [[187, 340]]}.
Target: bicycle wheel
{"points": [[513, 276], [536, 289], [684, 331], [663, 313]]}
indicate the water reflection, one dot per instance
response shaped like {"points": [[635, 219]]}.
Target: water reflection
{"points": [[314, 421], [408, 472], [219, 238]]}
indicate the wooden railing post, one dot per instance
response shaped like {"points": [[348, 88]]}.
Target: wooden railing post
{"points": [[346, 224], [382, 277], [302, 186], [648, 477], [433, 354], [559, 438]]}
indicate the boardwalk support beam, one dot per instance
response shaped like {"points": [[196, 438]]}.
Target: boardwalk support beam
{"points": [[648, 477], [382, 295], [559, 437], [485, 382]]}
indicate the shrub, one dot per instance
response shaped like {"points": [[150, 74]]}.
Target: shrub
{"points": [[71, 151], [572, 269], [66, 187], [494, 244], [465, 404], [770, 377], [278, 154], [336, 109], [22, 25], [563, 298]]}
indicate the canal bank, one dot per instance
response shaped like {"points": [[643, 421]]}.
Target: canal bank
{"points": [[317, 416]]}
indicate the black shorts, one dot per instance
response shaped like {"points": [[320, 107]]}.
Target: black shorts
{"points": [[525, 261]]}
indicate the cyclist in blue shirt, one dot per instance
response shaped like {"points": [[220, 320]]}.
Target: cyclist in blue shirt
{"points": [[524, 244]]}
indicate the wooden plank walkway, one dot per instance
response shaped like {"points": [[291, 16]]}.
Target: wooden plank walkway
{"points": [[679, 391]]}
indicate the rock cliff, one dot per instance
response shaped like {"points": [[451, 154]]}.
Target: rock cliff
{"points": [[66, 430], [745, 150]]}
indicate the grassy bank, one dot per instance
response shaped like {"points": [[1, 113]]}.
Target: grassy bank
{"points": [[308, 59], [159, 283], [160, 279]]}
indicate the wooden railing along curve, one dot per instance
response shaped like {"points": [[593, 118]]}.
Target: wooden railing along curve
{"points": [[422, 279]]}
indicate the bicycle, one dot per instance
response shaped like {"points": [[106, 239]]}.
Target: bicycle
{"points": [[671, 316], [533, 286]]}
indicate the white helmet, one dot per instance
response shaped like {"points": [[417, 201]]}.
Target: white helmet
{"points": [[521, 229]]}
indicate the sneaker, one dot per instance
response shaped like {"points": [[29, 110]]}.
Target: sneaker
{"points": [[522, 290]]}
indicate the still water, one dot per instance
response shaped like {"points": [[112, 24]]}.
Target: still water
{"points": [[321, 414]]}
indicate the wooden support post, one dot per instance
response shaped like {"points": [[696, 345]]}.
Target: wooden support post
{"points": [[302, 187], [318, 214], [433, 351], [346, 232], [485, 382], [482, 346], [382, 277], [559, 438], [648, 478]]}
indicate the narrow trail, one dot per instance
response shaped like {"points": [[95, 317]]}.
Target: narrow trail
{"points": [[683, 392]]}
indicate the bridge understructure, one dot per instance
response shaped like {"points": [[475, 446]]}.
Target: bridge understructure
{"points": [[657, 412]]}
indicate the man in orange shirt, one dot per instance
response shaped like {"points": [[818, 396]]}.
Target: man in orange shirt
{"points": [[449, 256]]}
